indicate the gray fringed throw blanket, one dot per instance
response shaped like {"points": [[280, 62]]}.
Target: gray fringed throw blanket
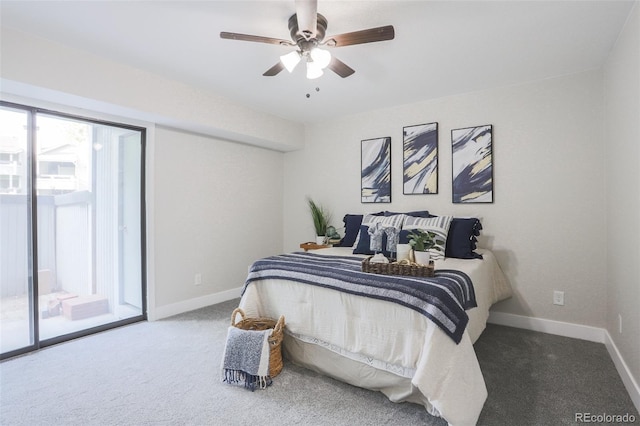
{"points": [[246, 358]]}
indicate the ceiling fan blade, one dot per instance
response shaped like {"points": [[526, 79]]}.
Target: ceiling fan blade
{"points": [[274, 70], [307, 13], [340, 68], [259, 39], [363, 36]]}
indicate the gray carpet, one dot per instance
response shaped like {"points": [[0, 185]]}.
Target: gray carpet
{"points": [[168, 373]]}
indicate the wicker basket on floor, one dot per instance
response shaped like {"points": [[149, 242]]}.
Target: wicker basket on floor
{"points": [[275, 340]]}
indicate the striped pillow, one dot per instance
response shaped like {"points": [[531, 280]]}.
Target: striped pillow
{"points": [[438, 225], [395, 221]]}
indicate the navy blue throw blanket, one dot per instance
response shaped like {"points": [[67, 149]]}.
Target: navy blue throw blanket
{"points": [[442, 298]]}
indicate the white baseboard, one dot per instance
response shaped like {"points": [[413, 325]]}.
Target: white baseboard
{"points": [[623, 370], [576, 331], [191, 304], [559, 328]]}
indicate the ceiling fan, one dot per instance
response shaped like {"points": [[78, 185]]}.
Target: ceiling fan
{"points": [[307, 28]]}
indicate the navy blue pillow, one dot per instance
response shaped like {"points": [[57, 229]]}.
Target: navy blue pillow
{"points": [[352, 224], [403, 236], [351, 227], [364, 243], [461, 240]]}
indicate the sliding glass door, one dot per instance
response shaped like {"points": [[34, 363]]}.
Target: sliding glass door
{"points": [[72, 227], [17, 310]]}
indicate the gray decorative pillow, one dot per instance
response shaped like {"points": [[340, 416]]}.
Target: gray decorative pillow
{"points": [[438, 225]]}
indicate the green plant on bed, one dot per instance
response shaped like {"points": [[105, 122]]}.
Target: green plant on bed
{"points": [[320, 217], [421, 240]]}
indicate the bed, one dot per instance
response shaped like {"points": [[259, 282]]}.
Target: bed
{"points": [[379, 344]]}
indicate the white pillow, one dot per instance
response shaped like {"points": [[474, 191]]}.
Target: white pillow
{"points": [[395, 221], [438, 225]]}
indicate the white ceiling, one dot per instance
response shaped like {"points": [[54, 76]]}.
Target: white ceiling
{"points": [[441, 47]]}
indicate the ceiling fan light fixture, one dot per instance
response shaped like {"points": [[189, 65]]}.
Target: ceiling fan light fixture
{"points": [[313, 70], [308, 28], [320, 57], [290, 60]]}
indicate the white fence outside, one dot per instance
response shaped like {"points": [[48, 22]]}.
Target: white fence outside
{"points": [[64, 244]]}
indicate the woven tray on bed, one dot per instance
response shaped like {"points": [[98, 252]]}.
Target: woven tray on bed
{"points": [[275, 340], [395, 268]]}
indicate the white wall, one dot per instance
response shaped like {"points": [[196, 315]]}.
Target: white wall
{"points": [[38, 68], [547, 223], [622, 140], [217, 208]]}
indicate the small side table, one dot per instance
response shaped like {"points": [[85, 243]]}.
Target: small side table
{"points": [[313, 246]]}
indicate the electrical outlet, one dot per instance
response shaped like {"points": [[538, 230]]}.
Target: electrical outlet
{"points": [[558, 298], [198, 279], [620, 323]]}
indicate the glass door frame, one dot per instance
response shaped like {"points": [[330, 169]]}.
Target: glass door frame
{"points": [[32, 231]]}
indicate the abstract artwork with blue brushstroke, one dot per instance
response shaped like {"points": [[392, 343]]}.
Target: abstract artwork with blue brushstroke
{"points": [[472, 164], [376, 170], [420, 164]]}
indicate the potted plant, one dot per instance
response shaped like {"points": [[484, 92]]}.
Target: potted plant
{"points": [[321, 220], [421, 242]]}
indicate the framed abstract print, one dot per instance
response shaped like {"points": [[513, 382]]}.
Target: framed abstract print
{"points": [[472, 164], [420, 159], [375, 183]]}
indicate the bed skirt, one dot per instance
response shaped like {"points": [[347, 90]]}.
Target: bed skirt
{"points": [[328, 363]]}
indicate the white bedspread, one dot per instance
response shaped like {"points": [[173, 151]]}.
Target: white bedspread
{"points": [[383, 346]]}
